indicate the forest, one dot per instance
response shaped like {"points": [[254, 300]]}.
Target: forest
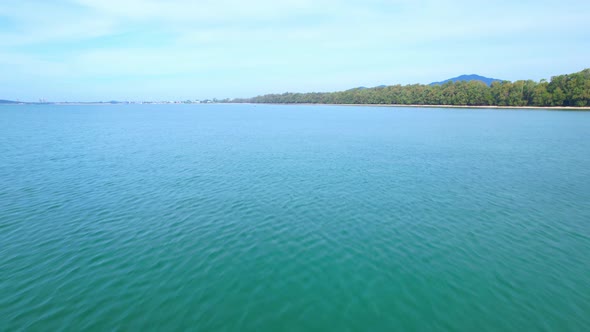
{"points": [[563, 90]]}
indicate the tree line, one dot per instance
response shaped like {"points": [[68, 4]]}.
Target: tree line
{"points": [[563, 90]]}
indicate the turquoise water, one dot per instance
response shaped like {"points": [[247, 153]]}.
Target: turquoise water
{"points": [[292, 218]]}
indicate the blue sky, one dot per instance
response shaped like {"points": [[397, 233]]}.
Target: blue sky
{"points": [[180, 49]]}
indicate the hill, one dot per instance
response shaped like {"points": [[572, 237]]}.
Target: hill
{"points": [[570, 90], [466, 78]]}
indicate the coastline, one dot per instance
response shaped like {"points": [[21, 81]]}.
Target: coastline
{"points": [[554, 108], [546, 108]]}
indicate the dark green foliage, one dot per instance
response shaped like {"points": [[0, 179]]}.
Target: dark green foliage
{"points": [[563, 90]]}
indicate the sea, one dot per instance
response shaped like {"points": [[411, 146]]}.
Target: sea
{"points": [[243, 217]]}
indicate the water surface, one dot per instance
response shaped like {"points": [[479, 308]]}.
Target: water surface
{"points": [[291, 218]]}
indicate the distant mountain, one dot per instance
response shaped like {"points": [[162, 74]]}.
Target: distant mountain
{"points": [[364, 87], [2, 101], [471, 77]]}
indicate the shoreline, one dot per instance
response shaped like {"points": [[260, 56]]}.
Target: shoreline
{"points": [[555, 108]]}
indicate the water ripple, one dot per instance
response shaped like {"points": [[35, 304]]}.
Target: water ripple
{"points": [[226, 220]]}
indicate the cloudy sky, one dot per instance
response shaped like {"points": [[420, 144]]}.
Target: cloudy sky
{"points": [[180, 49]]}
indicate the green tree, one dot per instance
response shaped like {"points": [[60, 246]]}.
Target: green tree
{"points": [[562, 90]]}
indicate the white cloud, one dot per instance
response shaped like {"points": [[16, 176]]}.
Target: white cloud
{"points": [[37, 22], [183, 11]]}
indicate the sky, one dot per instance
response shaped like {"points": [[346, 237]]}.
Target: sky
{"points": [[91, 50]]}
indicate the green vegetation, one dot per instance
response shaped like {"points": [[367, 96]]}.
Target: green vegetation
{"points": [[563, 90]]}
